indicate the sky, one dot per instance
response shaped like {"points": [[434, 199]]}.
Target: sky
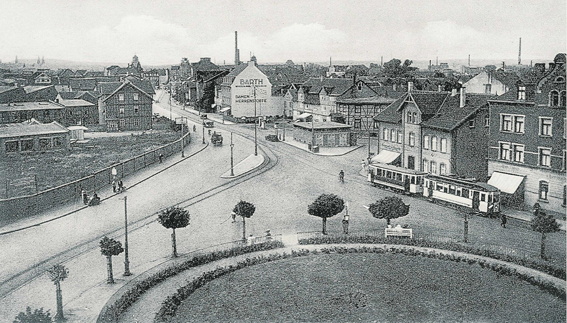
{"points": [[162, 32]]}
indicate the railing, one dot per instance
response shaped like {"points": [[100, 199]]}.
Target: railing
{"points": [[23, 206]]}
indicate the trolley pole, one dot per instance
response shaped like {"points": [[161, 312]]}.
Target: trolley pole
{"points": [[231, 156], [126, 260]]}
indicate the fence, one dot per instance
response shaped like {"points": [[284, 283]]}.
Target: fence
{"points": [[24, 206]]}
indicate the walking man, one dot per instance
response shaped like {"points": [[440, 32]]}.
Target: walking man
{"points": [[503, 220], [114, 186], [160, 158], [345, 224], [233, 215]]}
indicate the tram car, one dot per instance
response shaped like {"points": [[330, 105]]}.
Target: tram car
{"points": [[480, 197], [407, 181]]}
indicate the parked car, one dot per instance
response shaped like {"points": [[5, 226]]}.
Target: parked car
{"points": [[203, 116], [208, 124], [273, 138]]}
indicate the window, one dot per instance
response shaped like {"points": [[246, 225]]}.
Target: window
{"points": [[443, 145], [487, 88], [543, 190], [519, 124], [519, 153], [414, 117], [57, 142], [442, 169], [487, 121], [357, 109], [545, 126], [411, 139], [136, 96], [393, 135], [400, 137], [433, 167], [545, 157], [11, 146], [121, 97], [562, 99], [506, 124], [411, 165], [425, 165], [408, 119], [136, 109], [553, 98], [27, 144], [425, 142], [121, 110], [385, 134], [465, 193], [356, 123], [434, 143], [136, 122], [359, 86], [44, 143], [505, 151], [521, 93], [471, 123]]}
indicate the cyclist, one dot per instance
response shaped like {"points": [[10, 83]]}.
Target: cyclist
{"points": [[342, 176]]}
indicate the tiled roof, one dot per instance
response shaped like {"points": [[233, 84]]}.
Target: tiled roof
{"points": [[68, 95], [143, 84], [391, 114], [30, 128], [33, 88], [507, 78], [333, 87], [369, 100], [321, 125], [107, 88], [7, 88], [82, 84], [70, 103], [205, 65], [429, 102], [128, 83], [238, 69], [29, 106], [94, 74], [313, 99], [293, 93], [451, 115]]}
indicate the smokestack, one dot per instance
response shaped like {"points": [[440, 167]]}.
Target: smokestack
{"points": [[410, 87], [469, 60], [236, 51], [330, 61], [439, 87], [520, 52], [430, 65], [381, 61], [463, 100], [437, 61]]}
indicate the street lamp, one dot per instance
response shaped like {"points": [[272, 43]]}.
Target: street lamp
{"points": [[203, 133], [126, 260], [231, 156], [255, 124]]}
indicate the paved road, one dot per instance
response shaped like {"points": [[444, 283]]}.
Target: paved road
{"points": [[281, 196]]}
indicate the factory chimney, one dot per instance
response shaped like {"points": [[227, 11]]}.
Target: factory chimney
{"points": [[469, 60], [236, 50], [520, 52]]}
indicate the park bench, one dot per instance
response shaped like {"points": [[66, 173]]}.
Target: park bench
{"points": [[398, 232]]}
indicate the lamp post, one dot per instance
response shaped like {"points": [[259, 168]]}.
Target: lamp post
{"points": [[255, 124], [312, 133], [183, 124], [170, 117], [231, 156], [126, 260], [203, 133]]}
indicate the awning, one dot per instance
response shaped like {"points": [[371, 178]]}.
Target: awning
{"points": [[224, 109], [506, 183], [304, 115], [385, 157]]}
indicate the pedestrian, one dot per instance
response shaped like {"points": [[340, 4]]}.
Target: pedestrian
{"points": [[114, 186], [503, 220], [345, 224], [84, 196], [194, 128], [160, 158], [233, 215], [120, 186]]}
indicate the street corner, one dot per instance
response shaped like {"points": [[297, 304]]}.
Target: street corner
{"points": [[246, 165]]}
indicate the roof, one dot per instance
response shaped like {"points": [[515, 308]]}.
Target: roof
{"points": [[238, 69], [32, 88], [370, 100], [507, 78], [293, 93], [75, 103], [143, 84], [321, 125], [428, 102], [20, 106], [30, 128], [205, 65], [82, 84], [8, 88], [334, 87], [125, 83], [107, 88], [451, 115], [391, 114], [507, 183]]}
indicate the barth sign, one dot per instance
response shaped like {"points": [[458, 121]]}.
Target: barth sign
{"points": [[251, 81]]}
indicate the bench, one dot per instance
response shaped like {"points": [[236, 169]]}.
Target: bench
{"points": [[398, 232]]}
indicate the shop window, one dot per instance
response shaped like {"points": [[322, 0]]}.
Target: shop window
{"points": [[11, 146], [543, 190], [27, 144]]}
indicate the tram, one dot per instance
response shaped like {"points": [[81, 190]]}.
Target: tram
{"points": [[477, 196], [396, 178]]}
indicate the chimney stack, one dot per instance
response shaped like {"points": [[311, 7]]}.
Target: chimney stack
{"points": [[430, 65], [463, 100], [520, 52], [439, 87], [381, 61], [410, 87], [469, 60], [236, 51]]}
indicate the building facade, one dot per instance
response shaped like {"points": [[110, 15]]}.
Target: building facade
{"points": [[33, 136], [127, 107], [44, 112], [324, 134], [360, 112]]}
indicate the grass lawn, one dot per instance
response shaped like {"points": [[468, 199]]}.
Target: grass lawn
{"points": [[59, 167], [369, 288]]}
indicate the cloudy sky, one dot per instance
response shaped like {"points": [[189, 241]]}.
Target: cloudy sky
{"points": [[161, 32]]}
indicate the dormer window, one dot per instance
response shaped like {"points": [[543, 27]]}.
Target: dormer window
{"points": [[553, 98], [521, 93], [560, 79], [359, 86]]}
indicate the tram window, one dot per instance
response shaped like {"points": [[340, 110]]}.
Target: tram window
{"points": [[413, 179], [452, 189], [439, 187], [399, 177], [445, 189], [489, 198], [482, 197], [496, 197], [466, 192], [458, 191], [389, 174]]}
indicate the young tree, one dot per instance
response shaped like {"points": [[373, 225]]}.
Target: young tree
{"points": [[108, 248], [37, 316], [245, 210], [174, 218], [57, 274], [390, 207], [326, 206], [544, 224]]}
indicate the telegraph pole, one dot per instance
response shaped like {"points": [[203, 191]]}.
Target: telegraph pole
{"points": [[126, 260], [231, 156], [255, 124], [182, 127]]}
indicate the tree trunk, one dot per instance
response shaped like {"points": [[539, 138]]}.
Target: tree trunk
{"points": [[244, 228], [59, 315], [542, 253], [324, 225], [387, 221], [110, 279], [174, 243]]}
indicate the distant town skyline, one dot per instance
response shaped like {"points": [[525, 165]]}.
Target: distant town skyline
{"points": [[162, 33]]}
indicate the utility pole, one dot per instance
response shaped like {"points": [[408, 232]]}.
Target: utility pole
{"points": [[231, 156], [203, 133], [255, 124], [170, 118], [126, 260], [312, 133], [182, 139]]}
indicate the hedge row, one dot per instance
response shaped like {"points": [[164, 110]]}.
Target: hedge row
{"points": [[171, 303], [112, 313], [452, 246]]}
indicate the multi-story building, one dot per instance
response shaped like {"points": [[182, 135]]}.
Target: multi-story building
{"points": [[495, 82], [360, 112], [126, 105], [526, 155]]}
